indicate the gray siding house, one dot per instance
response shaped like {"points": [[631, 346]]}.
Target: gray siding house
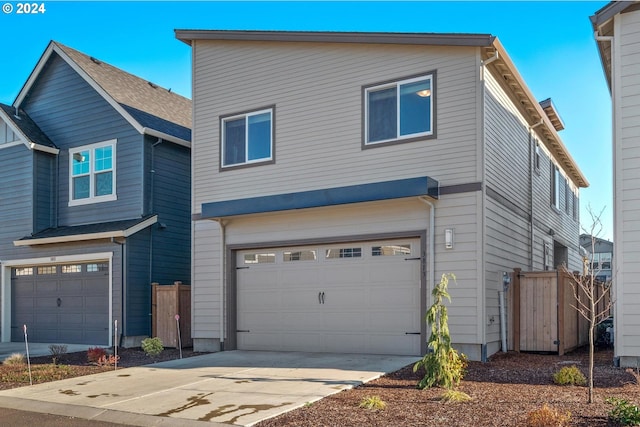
{"points": [[94, 201], [337, 176], [617, 35]]}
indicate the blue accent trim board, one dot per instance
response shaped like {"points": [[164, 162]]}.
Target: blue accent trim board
{"points": [[410, 187]]}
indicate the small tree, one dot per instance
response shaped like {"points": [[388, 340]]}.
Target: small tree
{"points": [[443, 365], [593, 299]]}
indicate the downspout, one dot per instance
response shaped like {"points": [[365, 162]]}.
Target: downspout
{"points": [[432, 244], [151, 203], [123, 291], [223, 256], [532, 149]]}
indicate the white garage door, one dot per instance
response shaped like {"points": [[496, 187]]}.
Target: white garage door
{"points": [[352, 298]]}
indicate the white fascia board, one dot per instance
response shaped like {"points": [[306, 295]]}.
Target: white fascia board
{"points": [[89, 236]]}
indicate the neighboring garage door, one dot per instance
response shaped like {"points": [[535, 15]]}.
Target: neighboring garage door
{"points": [[67, 303], [351, 298]]}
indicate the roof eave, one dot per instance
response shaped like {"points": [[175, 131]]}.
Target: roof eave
{"points": [[441, 39], [89, 236], [537, 114]]}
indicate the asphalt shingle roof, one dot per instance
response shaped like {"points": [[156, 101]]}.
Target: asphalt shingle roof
{"points": [[27, 126], [102, 227], [151, 105]]}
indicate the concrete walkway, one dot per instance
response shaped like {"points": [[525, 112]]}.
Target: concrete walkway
{"points": [[232, 387]]}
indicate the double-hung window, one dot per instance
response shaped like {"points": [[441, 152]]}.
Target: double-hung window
{"points": [[92, 170], [247, 138], [399, 111]]}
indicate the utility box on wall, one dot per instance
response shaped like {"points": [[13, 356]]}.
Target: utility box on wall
{"points": [[167, 302]]}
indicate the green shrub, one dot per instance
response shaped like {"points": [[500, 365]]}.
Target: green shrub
{"points": [[373, 403], [152, 346], [547, 417], [569, 375], [15, 359], [443, 365], [624, 413], [94, 354], [454, 396]]}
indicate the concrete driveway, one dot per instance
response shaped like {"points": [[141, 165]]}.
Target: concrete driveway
{"points": [[231, 387]]}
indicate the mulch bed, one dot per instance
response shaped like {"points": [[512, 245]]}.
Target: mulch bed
{"points": [[503, 391]]}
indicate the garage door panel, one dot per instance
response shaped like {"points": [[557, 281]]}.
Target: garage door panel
{"points": [[343, 322], [363, 297], [395, 298], [47, 287], [59, 306]]}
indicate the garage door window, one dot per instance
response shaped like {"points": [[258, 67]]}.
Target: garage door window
{"points": [[260, 258], [306, 255], [77, 268], [51, 269], [343, 253], [24, 271], [93, 268], [391, 250]]}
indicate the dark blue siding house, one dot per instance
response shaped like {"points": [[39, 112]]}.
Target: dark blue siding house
{"points": [[94, 201]]}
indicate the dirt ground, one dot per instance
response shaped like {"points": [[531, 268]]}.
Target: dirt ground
{"points": [[503, 391]]}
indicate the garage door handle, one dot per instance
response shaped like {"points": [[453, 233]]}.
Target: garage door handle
{"points": [[323, 297], [413, 259], [59, 302], [412, 333], [320, 297]]}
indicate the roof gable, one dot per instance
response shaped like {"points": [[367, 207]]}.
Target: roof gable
{"points": [[160, 112]]}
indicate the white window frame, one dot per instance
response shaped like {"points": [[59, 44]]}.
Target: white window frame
{"points": [[246, 116], [92, 173], [430, 76]]}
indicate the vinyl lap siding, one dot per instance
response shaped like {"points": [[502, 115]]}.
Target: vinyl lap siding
{"points": [[45, 179], [72, 114], [205, 290], [16, 197], [627, 161], [317, 93]]}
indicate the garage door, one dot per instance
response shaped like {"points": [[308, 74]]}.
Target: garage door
{"points": [[67, 303], [353, 298]]}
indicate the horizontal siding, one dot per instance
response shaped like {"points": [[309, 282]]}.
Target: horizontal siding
{"points": [[16, 197], [205, 289], [627, 186], [317, 92], [73, 114], [171, 199]]}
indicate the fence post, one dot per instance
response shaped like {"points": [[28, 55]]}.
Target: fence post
{"points": [[516, 309], [560, 281]]}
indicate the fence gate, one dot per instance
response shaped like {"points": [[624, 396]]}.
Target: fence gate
{"points": [[538, 316]]}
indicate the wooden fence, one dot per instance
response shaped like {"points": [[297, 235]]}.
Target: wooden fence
{"points": [[167, 301], [544, 315]]}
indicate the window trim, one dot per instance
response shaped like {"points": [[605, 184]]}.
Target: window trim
{"points": [[430, 75], [92, 198], [250, 163], [555, 187]]}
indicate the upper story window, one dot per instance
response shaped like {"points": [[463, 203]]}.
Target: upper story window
{"points": [[92, 170], [555, 187], [399, 111], [247, 138], [536, 158]]}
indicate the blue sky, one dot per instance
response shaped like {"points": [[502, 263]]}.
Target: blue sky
{"points": [[551, 43]]}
